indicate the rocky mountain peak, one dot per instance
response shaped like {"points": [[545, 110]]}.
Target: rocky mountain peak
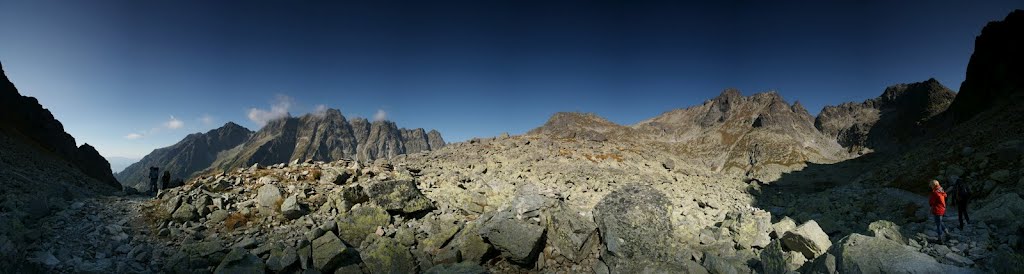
{"points": [[587, 126], [183, 159], [729, 94], [893, 118], [994, 72], [22, 117]]}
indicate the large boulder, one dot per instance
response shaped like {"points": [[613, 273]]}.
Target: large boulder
{"points": [[268, 195], [808, 239], [240, 261], [857, 253], [780, 228], [470, 244], [354, 194], [329, 253], [634, 225], [386, 255], [519, 241], [440, 231], [1002, 210], [282, 258], [399, 197], [291, 209], [572, 234], [774, 259], [354, 225], [335, 175], [751, 228], [513, 229], [886, 230], [185, 213]]}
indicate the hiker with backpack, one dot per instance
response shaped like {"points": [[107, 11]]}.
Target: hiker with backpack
{"points": [[165, 181], [961, 198], [154, 174], [937, 202]]}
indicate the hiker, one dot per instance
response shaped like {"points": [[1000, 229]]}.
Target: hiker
{"points": [[154, 172], [961, 197], [165, 181], [937, 201]]}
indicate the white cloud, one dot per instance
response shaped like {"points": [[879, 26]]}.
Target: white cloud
{"points": [[133, 136], [320, 110], [380, 115], [174, 123], [206, 120], [278, 108]]}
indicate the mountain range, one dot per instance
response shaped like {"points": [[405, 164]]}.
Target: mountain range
{"points": [[320, 136], [761, 135]]}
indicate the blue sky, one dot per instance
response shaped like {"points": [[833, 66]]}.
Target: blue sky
{"points": [[132, 76]]}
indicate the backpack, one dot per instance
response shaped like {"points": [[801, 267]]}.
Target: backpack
{"points": [[962, 192]]}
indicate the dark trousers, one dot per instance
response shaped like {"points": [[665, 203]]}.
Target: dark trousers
{"points": [[961, 212], [152, 186]]}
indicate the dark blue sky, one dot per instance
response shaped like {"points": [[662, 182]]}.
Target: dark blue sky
{"points": [[131, 76]]}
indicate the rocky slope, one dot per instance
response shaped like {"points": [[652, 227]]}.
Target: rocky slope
{"points": [[534, 204], [758, 136], [22, 117], [326, 136], [41, 172], [894, 119], [192, 154]]}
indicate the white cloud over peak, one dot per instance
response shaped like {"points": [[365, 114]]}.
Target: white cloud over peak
{"points": [[380, 115], [278, 108], [174, 123], [133, 136], [206, 120], [320, 110]]}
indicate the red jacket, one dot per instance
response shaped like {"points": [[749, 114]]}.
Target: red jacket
{"points": [[938, 202]]}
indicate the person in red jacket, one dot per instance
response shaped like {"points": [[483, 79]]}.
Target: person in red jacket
{"points": [[937, 201]]}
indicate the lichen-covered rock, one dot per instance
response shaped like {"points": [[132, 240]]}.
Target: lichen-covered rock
{"points": [[354, 225], [354, 194], [240, 261], [634, 225], [336, 175], [807, 239], [399, 197], [470, 244], [776, 260], [442, 231], [460, 268], [329, 253], [185, 213], [385, 255], [571, 233], [751, 228]]}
